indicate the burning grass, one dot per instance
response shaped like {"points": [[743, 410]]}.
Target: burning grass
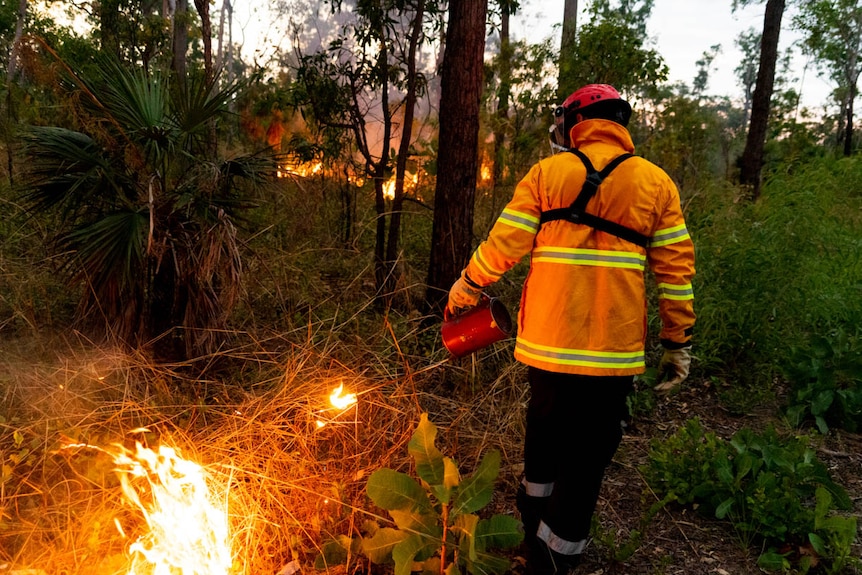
{"points": [[287, 466]]}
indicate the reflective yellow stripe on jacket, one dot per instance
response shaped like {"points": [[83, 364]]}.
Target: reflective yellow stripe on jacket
{"points": [[590, 257], [581, 357]]}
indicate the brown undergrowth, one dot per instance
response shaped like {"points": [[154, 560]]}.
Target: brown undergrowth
{"points": [[250, 416]]}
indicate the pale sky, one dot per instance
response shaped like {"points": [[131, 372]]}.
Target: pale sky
{"points": [[683, 30]]}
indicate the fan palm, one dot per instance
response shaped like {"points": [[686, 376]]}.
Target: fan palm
{"points": [[147, 214]]}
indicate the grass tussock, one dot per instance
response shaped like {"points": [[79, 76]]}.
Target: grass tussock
{"points": [[290, 484]]}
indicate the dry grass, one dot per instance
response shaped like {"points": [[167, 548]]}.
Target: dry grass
{"points": [[291, 486]]}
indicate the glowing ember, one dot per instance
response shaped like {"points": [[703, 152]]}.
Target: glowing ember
{"points": [[188, 529], [342, 401]]}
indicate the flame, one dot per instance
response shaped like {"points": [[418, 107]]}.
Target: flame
{"points": [[303, 170], [188, 528], [341, 401], [389, 189], [485, 171], [411, 182]]}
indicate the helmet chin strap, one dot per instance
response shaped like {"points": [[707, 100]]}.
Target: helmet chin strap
{"points": [[557, 138]]}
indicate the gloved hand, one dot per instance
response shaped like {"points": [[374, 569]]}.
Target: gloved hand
{"points": [[463, 295], [674, 365]]}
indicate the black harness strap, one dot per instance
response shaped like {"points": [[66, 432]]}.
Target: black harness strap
{"points": [[576, 212]]}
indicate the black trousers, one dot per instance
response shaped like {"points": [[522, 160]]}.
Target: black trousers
{"points": [[574, 427]]}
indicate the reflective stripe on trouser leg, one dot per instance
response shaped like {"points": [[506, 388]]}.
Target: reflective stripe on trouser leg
{"points": [[558, 544], [571, 437]]}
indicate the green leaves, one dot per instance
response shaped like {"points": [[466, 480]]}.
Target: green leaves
{"points": [[763, 483], [426, 523]]}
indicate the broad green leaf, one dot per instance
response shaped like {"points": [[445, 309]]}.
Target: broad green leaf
{"points": [[475, 491], [404, 552], [451, 478], [393, 490], [414, 520], [487, 564], [773, 561], [452, 569], [451, 475], [429, 459], [498, 532], [332, 553], [723, 508], [431, 566], [465, 525], [818, 544], [379, 547]]}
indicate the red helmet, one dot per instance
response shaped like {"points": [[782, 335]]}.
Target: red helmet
{"points": [[590, 94]]}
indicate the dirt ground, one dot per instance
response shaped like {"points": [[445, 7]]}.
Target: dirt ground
{"points": [[680, 541]]}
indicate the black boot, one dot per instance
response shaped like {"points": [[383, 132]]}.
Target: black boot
{"points": [[541, 560]]}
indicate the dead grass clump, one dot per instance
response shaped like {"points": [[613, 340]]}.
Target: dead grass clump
{"points": [[290, 483]]}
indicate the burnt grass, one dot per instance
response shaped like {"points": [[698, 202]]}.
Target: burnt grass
{"points": [[679, 540]]}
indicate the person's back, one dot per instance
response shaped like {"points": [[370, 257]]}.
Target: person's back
{"points": [[590, 235]]}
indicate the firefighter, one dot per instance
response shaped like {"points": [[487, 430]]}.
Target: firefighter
{"points": [[592, 217]]}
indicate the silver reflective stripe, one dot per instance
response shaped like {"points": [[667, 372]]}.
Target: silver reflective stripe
{"points": [[520, 220], [538, 489], [669, 236], [559, 544], [589, 257], [675, 292]]}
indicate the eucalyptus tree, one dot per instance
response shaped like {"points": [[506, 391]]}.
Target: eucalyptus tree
{"points": [[751, 162], [833, 35], [457, 159], [357, 89], [748, 43], [613, 48], [144, 215], [567, 46]]}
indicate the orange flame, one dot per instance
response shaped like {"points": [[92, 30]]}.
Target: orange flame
{"points": [[188, 528], [340, 401]]}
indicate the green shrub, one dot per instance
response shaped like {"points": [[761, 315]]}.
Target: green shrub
{"points": [[764, 485], [775, 273], [436, 526], [826, 376]]}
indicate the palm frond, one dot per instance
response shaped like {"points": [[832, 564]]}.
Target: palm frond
{"points": [[69, 170], [110, 251]]}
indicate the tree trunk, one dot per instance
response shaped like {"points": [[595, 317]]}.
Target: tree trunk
{"points": [[752, 158], [203, 8], [109, 26], [181, 39], [457, 159], [567, 48], [848, 134], [404, 149], [379, 169], [504, 94], [11, 71]]}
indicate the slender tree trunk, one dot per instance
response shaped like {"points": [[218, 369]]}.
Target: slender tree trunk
{"points": [[503, 98], [180, 39], [11, 72], [751, 163], [457, 160], [109, 26], [848, 134], [203, 8], [565, 83], [404, 149], [380, 169]]}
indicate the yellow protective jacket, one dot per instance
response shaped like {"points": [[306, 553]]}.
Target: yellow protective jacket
{"points": [[583, 306]]}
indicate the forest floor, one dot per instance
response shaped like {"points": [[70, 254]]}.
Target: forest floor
{"points": [[678, 540]]}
